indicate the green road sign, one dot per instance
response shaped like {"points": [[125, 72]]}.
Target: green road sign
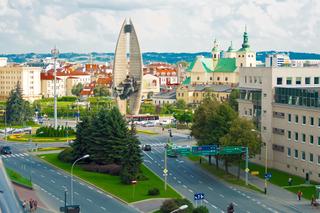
{"points": [[229, 150]]}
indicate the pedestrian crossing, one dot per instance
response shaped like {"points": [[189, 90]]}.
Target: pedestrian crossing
{"points": [[14, 155], [155, 144]]}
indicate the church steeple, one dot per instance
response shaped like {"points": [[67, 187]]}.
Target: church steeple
{"points": [[230, 49], [245, 43], [215, 51]]}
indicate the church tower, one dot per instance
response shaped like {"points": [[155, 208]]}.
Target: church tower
{"points": [[230, 53], [245, 56], [215, 53]]}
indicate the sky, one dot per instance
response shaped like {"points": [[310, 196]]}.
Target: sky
{"points": [[162, 25]]}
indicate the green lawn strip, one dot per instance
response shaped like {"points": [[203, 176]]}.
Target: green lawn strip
{"points": [[27, 138], [158, 211], [27, 124], [307, 191], [19, 179], [220, 173], [112, 184]]}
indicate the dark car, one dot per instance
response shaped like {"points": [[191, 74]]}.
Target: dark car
{"points": [[6, 150], [146, 147]]}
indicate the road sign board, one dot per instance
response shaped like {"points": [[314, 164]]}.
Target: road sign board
{"points": [[205, 150], [230, 150], [165, 171], [198, 196], [267, 175], [247, 170]]}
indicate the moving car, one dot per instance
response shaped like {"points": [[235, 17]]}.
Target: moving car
{"points": [[5, 150], [146, 147]]}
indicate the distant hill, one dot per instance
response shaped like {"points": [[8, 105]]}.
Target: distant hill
{"points": [[148, 57]]}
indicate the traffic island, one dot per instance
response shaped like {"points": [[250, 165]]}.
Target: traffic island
{"points": [[33, 138], [112, 184]]}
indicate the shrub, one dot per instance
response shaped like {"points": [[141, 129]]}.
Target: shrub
{"points": [[154, 191], [168, 206], [112, 169], [201, 209], [49, 131], [142, 177], [67, 98], [67, 155]]}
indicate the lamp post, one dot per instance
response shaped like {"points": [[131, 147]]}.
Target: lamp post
{"points": [[266, 170], [183, 207], [55, 53], [5, 125], [83, 157]]}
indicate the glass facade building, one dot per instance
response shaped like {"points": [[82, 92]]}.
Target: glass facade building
{"points": [[306, 97]]}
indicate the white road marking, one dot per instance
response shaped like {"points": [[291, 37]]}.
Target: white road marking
{"points": [[104, 209], [190, 190], [81, 184], [147, 155], [205, 201], [42, 176], [53, 181], [175, 178], [221, 195], [184, 186], [3, 156], [200, 182], [179, 181], [210, 188], [99, 191], [147, 161], [76, 193], [89, 200], [90, 187], [235, 203], [213, 206]]}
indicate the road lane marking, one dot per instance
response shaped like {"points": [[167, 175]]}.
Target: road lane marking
{"points": [[53, 181], [148, 155], [179, 181], [42, 176], [175, 178], [190, 190], [235, 203], [205, 201], [89, 200], [76, 193], [104, 209], [3, 156], [184, 186], [99, 191], [210, 188], [81, 184], [213, 206], [221, 195], [90, 187]]}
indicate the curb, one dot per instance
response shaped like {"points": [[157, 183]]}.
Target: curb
{"points": [[94, 186], [22, 185]]}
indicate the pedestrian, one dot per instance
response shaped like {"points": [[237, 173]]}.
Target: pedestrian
{"points": [[290, 181], [24, 205], [299, 194], [230, 208], [35, 205], [31, 205], [313, 201]]}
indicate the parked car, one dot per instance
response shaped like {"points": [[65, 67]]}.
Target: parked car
{"points": [[148, 124], [165, 122], [146, 147], [5, 150]]}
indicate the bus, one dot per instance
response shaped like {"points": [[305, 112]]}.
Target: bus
{"points": [[143, 119]]}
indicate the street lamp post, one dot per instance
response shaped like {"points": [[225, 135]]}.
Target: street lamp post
{"points": [[266, 170], [5, 125], [83, 157], [183, 207], [55, 53]]}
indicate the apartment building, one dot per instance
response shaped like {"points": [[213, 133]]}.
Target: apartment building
{"points": [[29, 77], [285, 103]]}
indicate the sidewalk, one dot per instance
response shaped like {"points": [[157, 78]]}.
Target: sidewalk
{"points": [[27, 194]]}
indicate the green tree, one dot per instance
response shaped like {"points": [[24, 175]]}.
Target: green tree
{"points": [[242, 133], [181, 104], [167, 109], [101, 90], [18, 111], [76, 89], [201, 209], [234, 95]]}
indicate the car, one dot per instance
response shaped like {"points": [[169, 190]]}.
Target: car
{"points": [[5, 150], [146, 147], [148, 124], [165, 122]]}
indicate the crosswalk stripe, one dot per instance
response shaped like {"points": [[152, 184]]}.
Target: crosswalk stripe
{"points": [[3, 156]]}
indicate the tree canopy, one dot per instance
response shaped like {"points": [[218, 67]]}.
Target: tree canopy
{"points": [[101, 90], [76, 89], [18, 110]]}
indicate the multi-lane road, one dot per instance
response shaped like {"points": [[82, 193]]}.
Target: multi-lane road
{"points": [[52, 183], [187, 178]]}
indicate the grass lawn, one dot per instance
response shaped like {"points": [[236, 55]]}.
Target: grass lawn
{"points": [[44, 149], [27, 124], [113, 185], [27, 138], [220, 173], [17, 178], [280, 178]]}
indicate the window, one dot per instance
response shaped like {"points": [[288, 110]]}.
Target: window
{"points": [[296, 154], [303, 138], [311, 139], [319, 160], [318, 140], [297, 119], [241, 65], [316, 80], [307, 80], [289, 152], [226, 79], [210, 78], [289, 117], [279, 81], [245, 79], [311, 121], [289, 80], [311, 157], [289, 135], [298, 80], [296, 136], [198, 78], [218, 78], [303, 155], [304, 120], [318, 122]]}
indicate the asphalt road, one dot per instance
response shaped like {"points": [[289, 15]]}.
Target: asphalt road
{"points": [[187, 178], [52, 184]]}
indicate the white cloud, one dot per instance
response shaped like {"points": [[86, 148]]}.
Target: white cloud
{"points": [[167, 25]]}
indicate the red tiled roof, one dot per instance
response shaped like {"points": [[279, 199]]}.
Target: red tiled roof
{"points": [[46, 76], [107, 80]]}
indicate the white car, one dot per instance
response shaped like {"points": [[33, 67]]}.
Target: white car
{"points": [[165, 122]]}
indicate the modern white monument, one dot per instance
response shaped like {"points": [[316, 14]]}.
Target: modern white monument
{"points": [[127, 75]]}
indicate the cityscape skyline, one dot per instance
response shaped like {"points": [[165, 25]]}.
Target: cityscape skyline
{"points": [[79, 26]]}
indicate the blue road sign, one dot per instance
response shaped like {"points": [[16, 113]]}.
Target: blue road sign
{"points": [[205, 150], [267, 175], [198, 196]]}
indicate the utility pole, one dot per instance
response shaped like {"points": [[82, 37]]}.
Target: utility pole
{"points": [[165, 171], [247, 164], [266, 170], [5, 125], [55, 53]]}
